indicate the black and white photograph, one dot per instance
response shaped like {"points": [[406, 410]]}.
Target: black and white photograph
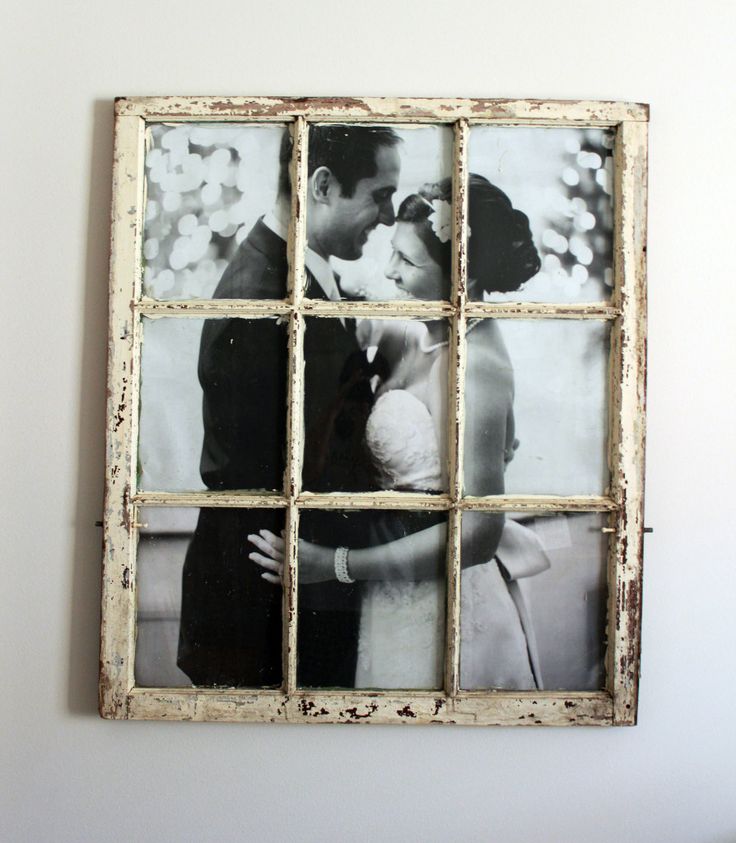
{"points": [[376, 407]]}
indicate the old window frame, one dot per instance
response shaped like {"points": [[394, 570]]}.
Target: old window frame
{"points": [[615, 705]]}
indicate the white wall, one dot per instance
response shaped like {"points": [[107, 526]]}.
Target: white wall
{"points": [[70, 776]]}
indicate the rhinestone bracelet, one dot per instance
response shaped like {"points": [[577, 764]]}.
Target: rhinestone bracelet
{"points": [[341, 565]]}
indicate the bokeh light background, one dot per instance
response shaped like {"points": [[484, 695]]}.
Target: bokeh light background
{"points": [[206, 185], [562, 180]]}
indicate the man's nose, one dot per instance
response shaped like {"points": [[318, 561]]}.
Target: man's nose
{"points": [[387, 215]]}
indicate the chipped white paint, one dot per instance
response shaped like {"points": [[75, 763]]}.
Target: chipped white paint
{"points": [[501, 708], [375, 500], [530, 310], [245, 500], [207, 308], [456, 386], [379, 500], [295, 411], [389, 109], [539, 503], [119, 698], [117, 640], [402, 309], [628, 422]]}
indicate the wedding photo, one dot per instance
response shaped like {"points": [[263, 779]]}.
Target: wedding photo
{"points": [[376, 408]]}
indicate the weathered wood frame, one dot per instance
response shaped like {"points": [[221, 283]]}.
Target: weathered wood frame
{"points": [[617, 704]]}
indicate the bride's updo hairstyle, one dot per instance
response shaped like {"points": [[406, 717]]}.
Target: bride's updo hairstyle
{"points": [[501, 252], [417, 208]]}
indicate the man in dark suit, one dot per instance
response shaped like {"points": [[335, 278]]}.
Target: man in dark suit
{"points": [[231, 624]]}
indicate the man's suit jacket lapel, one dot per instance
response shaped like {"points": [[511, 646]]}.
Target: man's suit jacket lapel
{"points": [[313, 287]]}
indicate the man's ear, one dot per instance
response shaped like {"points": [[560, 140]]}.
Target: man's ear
{"points": [[322, 184]]}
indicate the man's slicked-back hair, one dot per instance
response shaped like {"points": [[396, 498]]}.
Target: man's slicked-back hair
{"points": [[349, 152]]}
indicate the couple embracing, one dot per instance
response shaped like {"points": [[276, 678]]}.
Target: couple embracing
{"points": [[371, 584]]}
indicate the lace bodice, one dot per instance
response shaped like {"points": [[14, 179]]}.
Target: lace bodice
{"points": [[401, 437]]}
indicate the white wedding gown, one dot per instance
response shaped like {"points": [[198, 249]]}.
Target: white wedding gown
{"points": [[402, 624]]}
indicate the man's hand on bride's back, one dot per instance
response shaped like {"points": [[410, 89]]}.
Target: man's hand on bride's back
{"points": [[270, 555], [315, 562]]}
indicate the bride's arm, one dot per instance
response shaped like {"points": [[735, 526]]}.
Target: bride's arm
{"points": [[488, 419], [423, 555], [418, 556]]}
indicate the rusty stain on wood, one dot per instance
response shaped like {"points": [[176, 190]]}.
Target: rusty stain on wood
{"points": [[309, 709], [626, 312], [352, 713]]}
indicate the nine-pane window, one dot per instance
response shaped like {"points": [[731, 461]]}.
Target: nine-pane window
{"points": [[379, 450]]}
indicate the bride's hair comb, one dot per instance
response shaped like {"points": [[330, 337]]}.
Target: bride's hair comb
{"points": [[440, 218]]}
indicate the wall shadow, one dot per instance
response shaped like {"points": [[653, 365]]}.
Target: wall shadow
{"points": [[87, 562]]}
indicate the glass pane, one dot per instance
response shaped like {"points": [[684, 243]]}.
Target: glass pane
{"points": [[375, 405], [207, 189], [387, 629], [213, 404], [361, 180], [205, 614], [533, 610], [540, 213], [537, 407]]}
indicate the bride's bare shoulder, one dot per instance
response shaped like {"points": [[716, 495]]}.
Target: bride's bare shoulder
{"points": [[488, 359]]}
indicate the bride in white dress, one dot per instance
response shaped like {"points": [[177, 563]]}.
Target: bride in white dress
{"points": [[401, 642]]}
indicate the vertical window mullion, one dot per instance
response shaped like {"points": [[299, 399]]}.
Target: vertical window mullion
{"points": [[295, 394], [456, 389]]}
